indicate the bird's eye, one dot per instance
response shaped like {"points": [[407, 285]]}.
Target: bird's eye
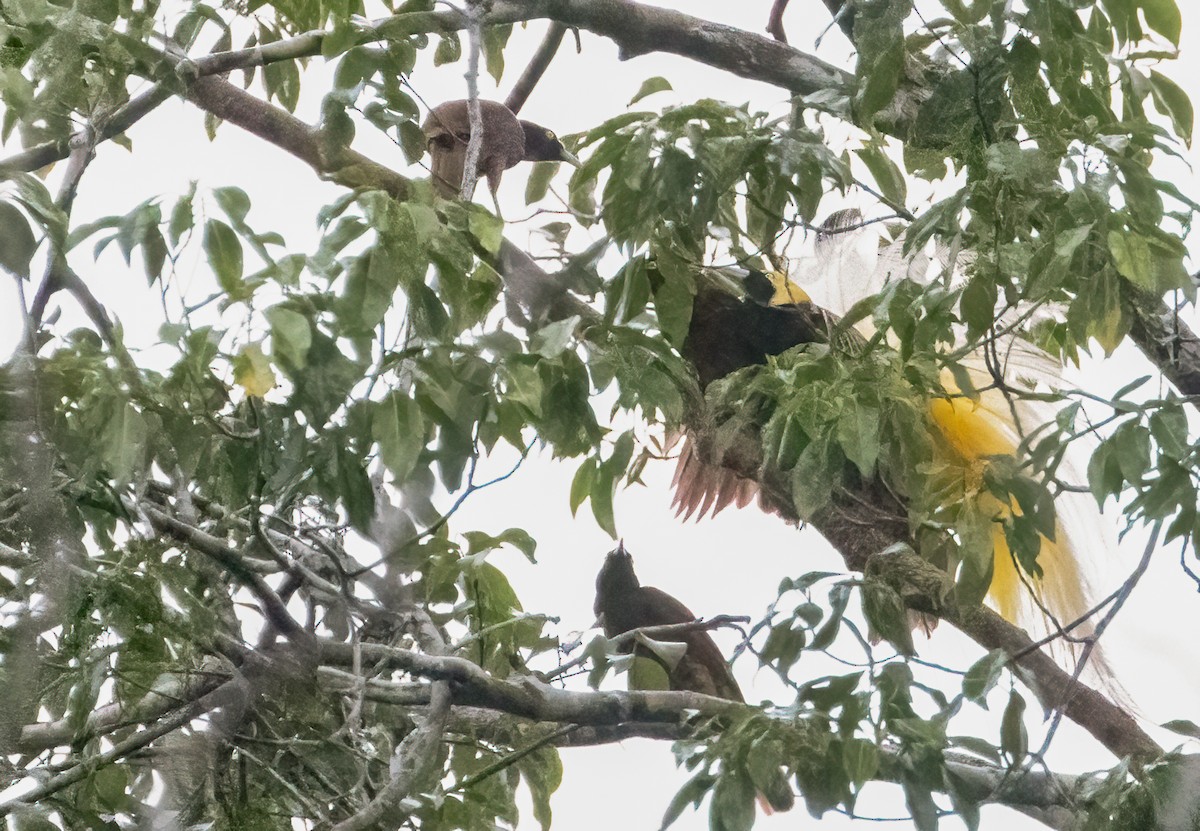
{"points": [[550, 135]]}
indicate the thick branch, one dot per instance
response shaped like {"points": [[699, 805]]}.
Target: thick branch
{"points": [[868, 520], [664, 716], [1166, 340]]}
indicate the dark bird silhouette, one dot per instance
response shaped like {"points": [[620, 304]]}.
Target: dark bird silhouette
{"points": [[728, 333], [623, 603], [506, 141]]}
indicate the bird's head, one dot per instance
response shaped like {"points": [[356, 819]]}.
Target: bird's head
{"points": [[542, 145], [774, 288], [616, 577]]}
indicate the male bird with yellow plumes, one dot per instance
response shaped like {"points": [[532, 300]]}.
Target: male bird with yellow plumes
{"points": [[974, 431]]}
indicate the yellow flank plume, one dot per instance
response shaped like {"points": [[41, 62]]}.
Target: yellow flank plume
{"points": [[976, 430], [786, 291], [979, 429]]}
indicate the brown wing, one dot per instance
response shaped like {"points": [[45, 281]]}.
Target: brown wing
{"points": [[448, 130], [702, 668]]}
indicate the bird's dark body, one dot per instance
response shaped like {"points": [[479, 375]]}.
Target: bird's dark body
{"points": [[624, 604], [728, 333]]}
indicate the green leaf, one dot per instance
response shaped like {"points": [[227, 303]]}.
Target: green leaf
{"points": [[858, 435], [1170, 429], [343, 36], [1104, 473], [1183, 727], [649, 87], [839, 597], [1163, 17], [542, 772], [252, 371], [885, 612], [449, 49], [234, 202], [812, 479], [861, 760], [538, 184], [978, 302], [123, 442], [181, 216], [692, 793], [224, 253], [603, 489], [399, 427], [920, 803], [1174, 103], [643, 673], [983, 675], [673, 296], [553, 339], [17, 243], [886, 174], [732, 803], [495, 38], [1132, 257], [486, 228]]}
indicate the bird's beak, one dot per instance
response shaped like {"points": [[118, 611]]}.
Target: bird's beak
{"points": [[570, 158], [599, 624]]}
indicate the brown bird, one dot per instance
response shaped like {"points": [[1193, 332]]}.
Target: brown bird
{"points": [[506, 141], [623, 603]]}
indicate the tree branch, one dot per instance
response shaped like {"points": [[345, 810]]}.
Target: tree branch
{"points": [[87, 766], [536, 67], [169, 693]]}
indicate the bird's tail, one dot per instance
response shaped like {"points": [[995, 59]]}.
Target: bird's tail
{"points": [[701, 489]]}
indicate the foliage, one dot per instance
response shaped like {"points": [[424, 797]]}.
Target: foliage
{"points": [[306, 401]]}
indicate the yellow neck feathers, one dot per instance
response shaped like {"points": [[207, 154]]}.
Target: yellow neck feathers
{"points": [[786, 292]]}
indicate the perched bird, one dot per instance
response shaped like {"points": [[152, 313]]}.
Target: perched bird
{"points": [[506, 141], [623, 603], [728, 333]]}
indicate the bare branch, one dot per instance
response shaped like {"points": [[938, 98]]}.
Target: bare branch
{"points": [[536, 68], [775, 21]]}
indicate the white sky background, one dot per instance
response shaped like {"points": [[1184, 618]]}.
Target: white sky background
{"points": [[729, 565]]}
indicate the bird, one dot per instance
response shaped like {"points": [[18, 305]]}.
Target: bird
{"points": [[506, 141], [623, 604], [727, 333], [777, 313]]}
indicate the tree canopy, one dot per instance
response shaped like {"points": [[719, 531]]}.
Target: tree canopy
{"points": [[236, 587]]}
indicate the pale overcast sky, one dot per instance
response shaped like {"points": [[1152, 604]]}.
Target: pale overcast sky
{"points": [[730, 565]]}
